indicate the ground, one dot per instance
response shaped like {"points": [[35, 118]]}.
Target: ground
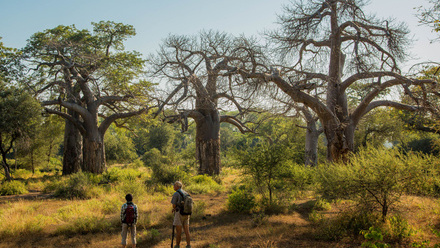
{"points": [[216, 228]]}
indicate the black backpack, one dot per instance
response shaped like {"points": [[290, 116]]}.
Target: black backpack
{"points": [[186, 205]]}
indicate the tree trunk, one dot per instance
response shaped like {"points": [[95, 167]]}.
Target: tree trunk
{"points": [[311, 147], [208, 142], [6, 168], [94, 153], [72, 155], [337, 148]]}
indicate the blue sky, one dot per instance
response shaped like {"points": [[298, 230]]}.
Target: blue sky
{"points": [[155, 19]]}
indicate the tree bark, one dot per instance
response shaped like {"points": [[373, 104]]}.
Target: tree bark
{"points": [[94, 153], [72, 155], [208, 142], [311, 147], [6, 168]]}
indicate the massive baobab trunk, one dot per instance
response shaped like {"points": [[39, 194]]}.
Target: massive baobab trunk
{"points": [[72, 155], [94, 153], [208, 142]]}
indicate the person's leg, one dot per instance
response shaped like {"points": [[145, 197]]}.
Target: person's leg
{"points": [[178, 224], [124, 235], [133, 236], [188, 238], [178, 234]]}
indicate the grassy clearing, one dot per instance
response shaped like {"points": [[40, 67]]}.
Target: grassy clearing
{"points": [[89, 216]]}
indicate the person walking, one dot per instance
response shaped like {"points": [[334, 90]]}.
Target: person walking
{"points": [[179, 219], [129, 216]]}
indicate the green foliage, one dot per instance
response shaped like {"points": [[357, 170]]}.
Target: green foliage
{"points": [[241, 201], [19, 117], [399, 229], [264, 165], [376, 178], [79, 185], [119, 147], [163, 169], [116, 174], [13, 188], [345, 224], [374, 237], [55, 165], [378, 127], [203, 184], [322, 204]]}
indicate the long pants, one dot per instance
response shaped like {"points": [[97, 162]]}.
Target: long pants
{"points": [[124, 232]]}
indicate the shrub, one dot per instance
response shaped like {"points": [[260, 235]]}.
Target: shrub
{"points": [[203, 184], [398, 229], [345, 224], [374, 238], [13, 188], [241, 201], [79, 185], [375, 178], [134, 187], [322, 204], [55, 165], [116, 174], [163, 170]]}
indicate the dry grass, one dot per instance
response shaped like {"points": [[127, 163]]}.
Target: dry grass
{"points": [[37, 220]]}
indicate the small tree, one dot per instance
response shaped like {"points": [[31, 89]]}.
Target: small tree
{"points": [[19, 116], [375, 178], [264, 164]]}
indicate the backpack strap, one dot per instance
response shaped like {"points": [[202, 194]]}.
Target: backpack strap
{"points": [[181, 194]]}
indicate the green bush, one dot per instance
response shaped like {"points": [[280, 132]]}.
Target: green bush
{"points": [[399, 229], [375, 178], [163, 169], [135, 187], [13, 188], [79, 185], [55, 165], [117, 174], [241, 201], [345, 224], [203, 184]]}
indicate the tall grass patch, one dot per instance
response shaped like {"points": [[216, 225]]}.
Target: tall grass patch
{"points": [[20, 218], [79, 185], [203, 184], [86, 217]]}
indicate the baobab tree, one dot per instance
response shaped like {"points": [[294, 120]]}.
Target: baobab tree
{"points": [[196, 69], [88, 79], [334, 46]]}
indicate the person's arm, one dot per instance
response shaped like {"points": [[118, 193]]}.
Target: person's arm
{"points": [[122, 212], [174, 200], [135, 214]]}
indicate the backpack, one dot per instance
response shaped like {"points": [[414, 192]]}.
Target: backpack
{"points": [[129, 214], [186, 205]]}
